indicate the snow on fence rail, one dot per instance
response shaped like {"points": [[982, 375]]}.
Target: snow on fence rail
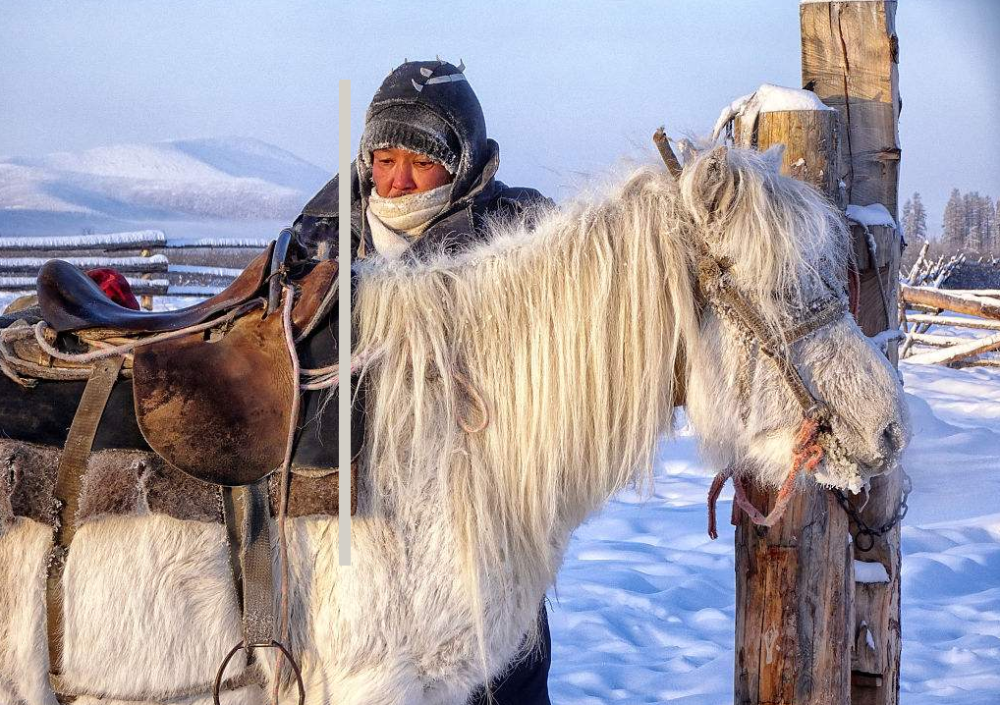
{"points": [[148, 272], [125, 265], [109, 242], [243, 243], [140, 287]]}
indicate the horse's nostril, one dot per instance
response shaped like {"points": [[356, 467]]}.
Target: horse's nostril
{"points": [[892, 439]]}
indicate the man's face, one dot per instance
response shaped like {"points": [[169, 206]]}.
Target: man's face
{"points": [[399, 172]]}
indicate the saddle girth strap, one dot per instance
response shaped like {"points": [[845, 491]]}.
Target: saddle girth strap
{"points": [[72, 465], [247, 515]]}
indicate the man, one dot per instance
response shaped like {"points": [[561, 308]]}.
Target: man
{"points": [[424, 183], [446, 188]]}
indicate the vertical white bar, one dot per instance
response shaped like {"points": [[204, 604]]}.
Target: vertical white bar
{"points": [[344, 319]]}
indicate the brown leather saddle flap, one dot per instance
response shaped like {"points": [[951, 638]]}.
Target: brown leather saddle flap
{"points": [[219, 411]]}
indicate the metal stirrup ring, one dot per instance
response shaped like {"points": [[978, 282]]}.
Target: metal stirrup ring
{"points": [[217, 686]]}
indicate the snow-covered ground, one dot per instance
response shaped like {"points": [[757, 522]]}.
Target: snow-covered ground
{"points": [[644, 607]]}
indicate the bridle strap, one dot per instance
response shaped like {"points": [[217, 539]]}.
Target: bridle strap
{"points": [[713, 283]]}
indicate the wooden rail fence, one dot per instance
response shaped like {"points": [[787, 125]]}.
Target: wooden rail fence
{"points": [[144, 257]]}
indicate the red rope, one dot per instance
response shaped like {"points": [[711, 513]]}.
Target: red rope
{"points": [[807, 453]]}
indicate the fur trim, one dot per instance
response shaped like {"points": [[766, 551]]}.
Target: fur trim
{"points": [[31, 471], [391, 134], [123, 482]]}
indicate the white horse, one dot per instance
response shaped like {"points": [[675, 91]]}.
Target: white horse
{"points": [[518, 386]]}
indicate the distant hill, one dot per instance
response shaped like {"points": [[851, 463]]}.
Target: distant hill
{"points": [[235, 184]]}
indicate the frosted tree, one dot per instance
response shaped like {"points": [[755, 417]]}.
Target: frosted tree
{"points": [[953, 223], [914, 219], [919, 218], [972, 207], [988, 216], [996, 228], [974, 234], [906, 220]]}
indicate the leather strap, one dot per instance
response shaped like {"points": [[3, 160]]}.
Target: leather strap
{"points": [[253, 576], [252, 675], [233, 540], [72, 464]]}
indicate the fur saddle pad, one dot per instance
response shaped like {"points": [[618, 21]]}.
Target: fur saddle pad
{"points": [[136, 482]]}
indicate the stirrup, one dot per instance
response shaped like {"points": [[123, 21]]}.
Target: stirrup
{"points": [[217, 686]]}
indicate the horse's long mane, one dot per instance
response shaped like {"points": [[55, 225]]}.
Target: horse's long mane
{"points": [[570, 333]]}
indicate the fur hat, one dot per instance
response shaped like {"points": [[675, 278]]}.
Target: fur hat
{"points": [[414, 127], [428, 107]]}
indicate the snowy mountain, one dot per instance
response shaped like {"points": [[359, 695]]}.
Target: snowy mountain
{"points": [[235, 181]]}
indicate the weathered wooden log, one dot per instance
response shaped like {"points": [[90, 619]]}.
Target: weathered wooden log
{"points": [[811, 146], [952, 321], [794, 587], [914, 277], [957, 352], [126, 265], [988, 362], [886, 240], [849, 59], [936, 341], [794, 581], [979, 293], [950, 302]]}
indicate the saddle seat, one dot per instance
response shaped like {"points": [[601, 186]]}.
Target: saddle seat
{"points": [[70, 301]]}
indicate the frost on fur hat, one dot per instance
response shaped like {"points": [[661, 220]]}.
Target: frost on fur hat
{"points": [[414, 127], [429, 107]]}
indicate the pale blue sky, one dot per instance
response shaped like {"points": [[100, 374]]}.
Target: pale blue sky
{"points": [[567, 87]]}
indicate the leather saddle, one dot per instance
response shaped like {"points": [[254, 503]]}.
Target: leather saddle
{"points": [[216, 405], [213, 388]]}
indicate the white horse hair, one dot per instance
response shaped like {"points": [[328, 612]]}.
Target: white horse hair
{"points": [[579, 337]]}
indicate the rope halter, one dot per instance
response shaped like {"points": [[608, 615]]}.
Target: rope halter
{"points": [[807, 453]]}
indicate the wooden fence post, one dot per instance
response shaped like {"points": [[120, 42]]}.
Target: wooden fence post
{"points": [[795, 581], [146, 300], [850, 54]]}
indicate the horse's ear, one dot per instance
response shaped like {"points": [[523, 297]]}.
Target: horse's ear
{"points": [[710, 184], [773, 157], [720, 181], [718, 164]]}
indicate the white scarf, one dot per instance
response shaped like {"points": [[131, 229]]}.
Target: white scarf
{"points": [[397, 222]]}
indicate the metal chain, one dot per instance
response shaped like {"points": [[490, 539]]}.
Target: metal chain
{"points": [[864, 539]]}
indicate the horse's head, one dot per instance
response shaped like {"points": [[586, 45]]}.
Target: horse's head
{"points": [[776, 348]]}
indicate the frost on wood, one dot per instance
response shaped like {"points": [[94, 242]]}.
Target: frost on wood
{"points": [[139, 286], [766, 99], [154, 263], [218, 242], [870, 572], [222, 272], [882, 340], [195, 290], [104, 241], [869, 216]]}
